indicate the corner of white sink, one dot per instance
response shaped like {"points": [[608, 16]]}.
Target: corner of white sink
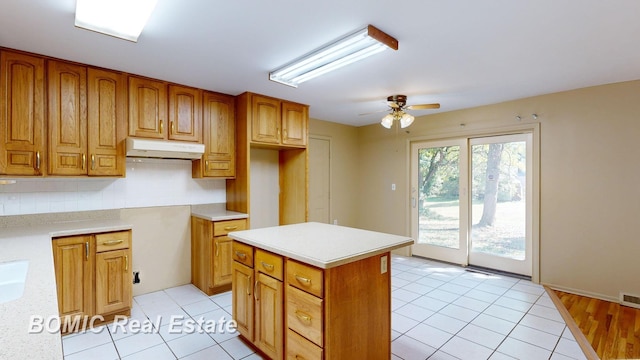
{"points": [[12, 278]]}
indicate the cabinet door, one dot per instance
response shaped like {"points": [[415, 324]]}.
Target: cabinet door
{"points": [[268, 316], [73, 262], [294, 123], [147, 108], [107, 111], [185, 113], [113, 281], [265, 119], [222, 260], [219, 124], [67, 90], [22, 125], [242, 293]]}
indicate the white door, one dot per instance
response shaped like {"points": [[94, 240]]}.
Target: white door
{"points": [[319, 179], [439, 200], [501, 214], [471, 201]]}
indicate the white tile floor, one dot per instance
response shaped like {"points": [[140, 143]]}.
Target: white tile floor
{"points": [[440, 312]]}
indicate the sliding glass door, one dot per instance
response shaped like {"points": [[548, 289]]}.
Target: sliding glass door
{"points": [[471, 201]]}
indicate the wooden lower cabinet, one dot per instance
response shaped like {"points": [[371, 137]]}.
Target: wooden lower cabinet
{"points": [[73, 259], [258, 299], [343, 312], [211, 257], [242, 298], [93, 276]]}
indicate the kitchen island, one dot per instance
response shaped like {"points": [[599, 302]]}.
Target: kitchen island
{"points": [[314, 291]]}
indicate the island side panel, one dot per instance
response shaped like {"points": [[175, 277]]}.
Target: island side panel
{"points": [[358, 310]]}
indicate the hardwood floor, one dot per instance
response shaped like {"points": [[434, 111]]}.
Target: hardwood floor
{"points": [[612, 330]]}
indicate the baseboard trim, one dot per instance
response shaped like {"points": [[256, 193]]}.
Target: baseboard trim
{"points": [[583, 293], [582, 341]]}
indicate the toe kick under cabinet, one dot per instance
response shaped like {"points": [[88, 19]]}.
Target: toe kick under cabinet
{"points": [[292, 310]]}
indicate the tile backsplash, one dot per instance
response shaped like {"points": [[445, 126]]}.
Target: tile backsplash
{"points": [[148, 182]]}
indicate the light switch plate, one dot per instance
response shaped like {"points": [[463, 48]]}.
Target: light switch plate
{"points": [[383, 264]]}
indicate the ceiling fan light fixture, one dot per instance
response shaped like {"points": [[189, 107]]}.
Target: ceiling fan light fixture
{"points": [[123, 19], [344, 51], [406, 120], [387, 121]]}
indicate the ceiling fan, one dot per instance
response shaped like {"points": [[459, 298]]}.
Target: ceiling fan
{"points": [[398, 106]]}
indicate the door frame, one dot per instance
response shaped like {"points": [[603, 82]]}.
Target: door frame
{"points": [[534, 129]]}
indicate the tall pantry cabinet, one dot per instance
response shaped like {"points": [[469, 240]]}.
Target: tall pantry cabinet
{"points": [[280, 128]]}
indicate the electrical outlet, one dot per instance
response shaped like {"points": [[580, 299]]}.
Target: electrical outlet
{"points": [[335, 221], [383, 264], [136, 277], [393, 187]]}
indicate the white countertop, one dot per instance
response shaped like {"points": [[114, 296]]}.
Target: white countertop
{"points": [[321, 245], [216, 212], [33, 243]]}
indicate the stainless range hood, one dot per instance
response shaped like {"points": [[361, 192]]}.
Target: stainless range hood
{"points": [[163, 149]]}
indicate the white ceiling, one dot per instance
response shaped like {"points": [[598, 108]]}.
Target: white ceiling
{"points": [[460, 53]]}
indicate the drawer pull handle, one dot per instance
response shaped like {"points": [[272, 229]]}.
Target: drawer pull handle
{"points": [[298, 357], [269, 267], [241, 255], [255, 291], [126, 263], [303, 280], [112, 242], [303, 316], [86, 250], [229, 228]]}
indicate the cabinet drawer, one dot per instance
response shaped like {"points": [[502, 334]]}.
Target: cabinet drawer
{"points": [[221, 228], [301, 348], [304, 314], [305, 277], [243, 253], [269, 264], [113, 241]]}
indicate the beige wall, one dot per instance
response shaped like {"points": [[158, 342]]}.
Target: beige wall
{"points": [[589, 180], [161, 246], [343, 167]]}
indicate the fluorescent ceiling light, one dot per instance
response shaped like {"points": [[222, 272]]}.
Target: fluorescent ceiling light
{"points": [[124, 19], [347, 50]]}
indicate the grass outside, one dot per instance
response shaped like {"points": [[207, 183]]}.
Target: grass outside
{"points": [[440, 227]]}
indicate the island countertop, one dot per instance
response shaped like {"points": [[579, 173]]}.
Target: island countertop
{"points": [[321, 245]]}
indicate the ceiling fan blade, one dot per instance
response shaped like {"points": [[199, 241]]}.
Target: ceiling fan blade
{"points": [[373, 112], [423, 106]]}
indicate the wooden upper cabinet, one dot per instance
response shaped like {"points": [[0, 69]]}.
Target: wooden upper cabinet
{"points": [[185, 113], [67, 91], [294, 123], [265, 119], [278, 122], [22, 114], [107, 118], [219, 125], [147, 108]]}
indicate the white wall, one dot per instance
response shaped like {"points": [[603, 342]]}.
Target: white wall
{"points": [[148, 183]]}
